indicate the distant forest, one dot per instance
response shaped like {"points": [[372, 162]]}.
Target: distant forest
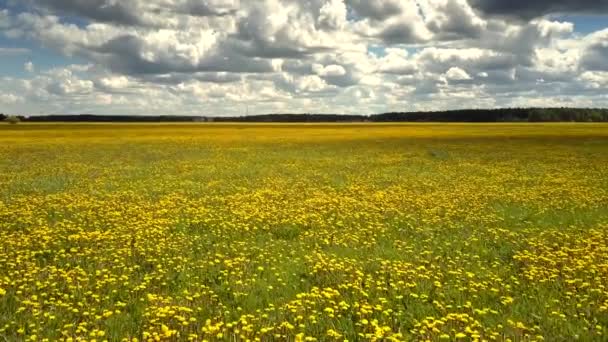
{"points": [[468, 115]]}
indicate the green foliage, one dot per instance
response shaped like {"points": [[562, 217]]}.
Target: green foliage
{"points": [[464, 115], [13, 120], [567, 115]]}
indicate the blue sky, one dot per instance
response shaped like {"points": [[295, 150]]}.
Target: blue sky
{"points": [[43, 58], [585, 24], [347, 56]]}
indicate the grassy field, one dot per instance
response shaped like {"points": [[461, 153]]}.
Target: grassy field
{"points": [[304, 232]]}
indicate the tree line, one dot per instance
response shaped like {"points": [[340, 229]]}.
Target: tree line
{"points": [[465, 115]]}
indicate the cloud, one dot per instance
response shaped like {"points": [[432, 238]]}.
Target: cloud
{"points": [[457, 74], [529, 9], [396, 61], [437, 60], [377, 10], [290, 29], [332, 15], [8, 99], [5, 51], [401, 32], [206, 7], [329, 70], [595, 80], [595, 55], [28, 66], [135, 12], [453, 19], [62, 82], [113, 83], [212, 56], [391, 22], [119, 12]]}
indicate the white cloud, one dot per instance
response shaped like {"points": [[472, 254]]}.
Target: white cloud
{"points": [[397, 61], [114, 82], [10, 99], [457, 74], [333, 14], [595, 79], [328, 70], [28, 66]]}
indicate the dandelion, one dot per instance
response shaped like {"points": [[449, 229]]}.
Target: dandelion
{"points": [[263, 232]]}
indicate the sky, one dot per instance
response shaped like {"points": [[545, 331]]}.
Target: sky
{"points": [[231, 57]]}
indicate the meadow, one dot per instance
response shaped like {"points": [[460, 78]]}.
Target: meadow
{"points": [[230, 232]]}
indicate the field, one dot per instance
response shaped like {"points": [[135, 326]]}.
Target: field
{"points": [[304, 232]]}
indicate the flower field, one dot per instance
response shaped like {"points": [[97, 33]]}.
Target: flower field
{"points": [[220, 232]]}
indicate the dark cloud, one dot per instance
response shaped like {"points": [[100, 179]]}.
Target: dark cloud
{"points": [[399, 33], [595, 57], [350, 78], [529, 9], [294, 66], [206, 8], [133, 12], [219, 77], [277, 49], [177, 78], [425, 87], [377, 10], [125, 54], [118, 12]]}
